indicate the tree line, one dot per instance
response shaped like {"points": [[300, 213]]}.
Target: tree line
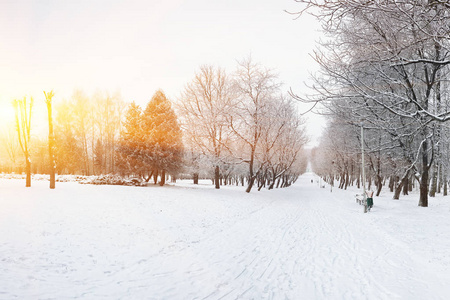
{"points": [[384, 66], [235, 128]]}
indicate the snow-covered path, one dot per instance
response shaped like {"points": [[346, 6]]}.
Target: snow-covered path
{"points": [[181, 242]]}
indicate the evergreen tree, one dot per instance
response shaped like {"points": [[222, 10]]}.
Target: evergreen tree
{"points": [[163, 139], [131, 145]]}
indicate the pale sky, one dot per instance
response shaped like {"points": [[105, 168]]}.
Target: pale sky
{"points": [[137, 47]]}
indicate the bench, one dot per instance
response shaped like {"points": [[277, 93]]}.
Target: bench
{"points": [[360, 199]]}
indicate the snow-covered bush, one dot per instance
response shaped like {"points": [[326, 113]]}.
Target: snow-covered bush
{"points": [[112, 180]]}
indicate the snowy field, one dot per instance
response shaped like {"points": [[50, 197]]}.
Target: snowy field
{"points": [[193, 242]]}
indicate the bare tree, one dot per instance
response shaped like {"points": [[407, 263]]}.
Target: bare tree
{"points": [[83, 124], [256, 88], [23, 110], [108, 114], [69, 153], [285, 143], [204, 105], [51, 138]]}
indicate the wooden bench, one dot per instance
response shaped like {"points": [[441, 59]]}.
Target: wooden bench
{"points": [[360, 199]]}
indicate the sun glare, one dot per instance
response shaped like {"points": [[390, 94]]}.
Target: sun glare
{"points": [[6, 115]]}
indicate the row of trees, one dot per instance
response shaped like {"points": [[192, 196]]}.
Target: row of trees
{"points": [[385, 66], [23, 111], [234, 129], [243, 118], [83, 137]]}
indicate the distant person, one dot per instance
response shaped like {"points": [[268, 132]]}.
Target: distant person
{"points": [[312, 180], [369, 199]]}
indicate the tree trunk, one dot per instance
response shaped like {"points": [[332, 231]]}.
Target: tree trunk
{"points": [[347, 179], [163, 178], [444, 183], [28, 171], [51, 139], [283, 181], [195, 178], [433, 186], [379, 185], [272, 183], [148, 177], [251, 181], [391, 183], [405, 182], [399, 187], [260, 186], [155, 176], [423, 201], [439, 185], [217, 177], [251, 177]]}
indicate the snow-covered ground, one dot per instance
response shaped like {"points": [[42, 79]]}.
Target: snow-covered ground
{"points": [[194, 242]]}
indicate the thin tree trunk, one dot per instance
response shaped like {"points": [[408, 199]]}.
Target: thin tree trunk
{"points": [[155, 176], [195, 178], [433, 186], [51, 139], [444, 182], [251, 178], [391, 183], [28, 171], [423, 201], [379, 185], [405, 181], [399, 187], [163, 178], [217, 177], [251, 181]]}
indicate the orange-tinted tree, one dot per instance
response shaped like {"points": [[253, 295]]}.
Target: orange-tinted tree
{"points": [[51, 138], [163, 146], [131, 144], [23, 111]]}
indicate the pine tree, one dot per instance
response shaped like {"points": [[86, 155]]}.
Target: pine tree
{"points": [[130, 150], [163, 138]]}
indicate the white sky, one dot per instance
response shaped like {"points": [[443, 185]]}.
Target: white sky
{"points": [[137, 47]]}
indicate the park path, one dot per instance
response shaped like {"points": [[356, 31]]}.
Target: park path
{"points": [[305, 243]]}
